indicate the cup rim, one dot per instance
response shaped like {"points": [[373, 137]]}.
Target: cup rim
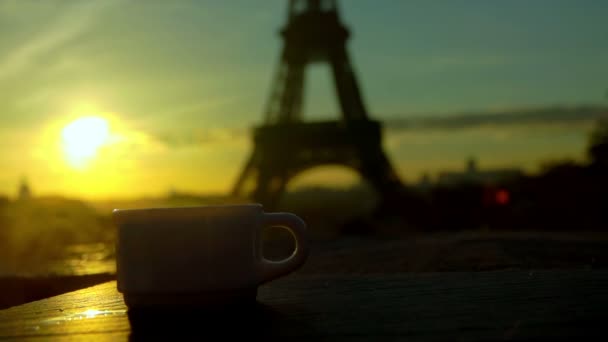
{"points": [[135, 214]]}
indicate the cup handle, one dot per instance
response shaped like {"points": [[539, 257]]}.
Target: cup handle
{"points": [[270, 269]]}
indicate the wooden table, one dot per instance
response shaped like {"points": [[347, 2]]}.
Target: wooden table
{"points": [[511, 305]]}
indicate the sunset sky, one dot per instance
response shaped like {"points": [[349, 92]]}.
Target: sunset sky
{"points": [[169, 90]]}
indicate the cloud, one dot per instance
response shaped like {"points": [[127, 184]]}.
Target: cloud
{"points": [[188, 138], [191, 124], [543, 116], [74, 21]]}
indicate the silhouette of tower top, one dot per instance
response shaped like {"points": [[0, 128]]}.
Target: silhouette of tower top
{"points": [[312, 26], [313, 33], [285, 145]]}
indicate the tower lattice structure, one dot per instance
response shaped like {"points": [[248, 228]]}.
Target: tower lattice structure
{"points": [[285, 145]]}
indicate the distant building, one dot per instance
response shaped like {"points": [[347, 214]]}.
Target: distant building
{"points": [[24, 190], [425, 183], [473, 175]]}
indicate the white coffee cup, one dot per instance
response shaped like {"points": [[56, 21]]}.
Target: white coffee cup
{"points": [[199, 255]]}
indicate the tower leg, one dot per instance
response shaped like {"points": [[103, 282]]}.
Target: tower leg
{"points": [[271, 182], [238, 190]]}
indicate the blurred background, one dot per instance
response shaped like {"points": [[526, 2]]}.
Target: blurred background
{"points": [[494, 121]]}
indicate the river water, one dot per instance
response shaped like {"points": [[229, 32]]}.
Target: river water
{"points": [[75, 259]]}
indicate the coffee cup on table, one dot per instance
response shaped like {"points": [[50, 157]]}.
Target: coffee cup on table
{"points": [[196, 256]]}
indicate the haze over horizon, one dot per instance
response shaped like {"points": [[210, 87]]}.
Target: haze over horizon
{"points": [[178, 85]]}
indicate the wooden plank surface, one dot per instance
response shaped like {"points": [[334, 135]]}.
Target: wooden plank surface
{"points": [[511, 305], [84, 265]]}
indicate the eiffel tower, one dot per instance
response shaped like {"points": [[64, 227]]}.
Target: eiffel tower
{"points": [[285, 145]]}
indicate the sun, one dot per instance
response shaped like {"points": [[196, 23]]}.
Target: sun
{"points": [[82, 138]]}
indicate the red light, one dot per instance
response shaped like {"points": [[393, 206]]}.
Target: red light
{"points": [[502, 197]]}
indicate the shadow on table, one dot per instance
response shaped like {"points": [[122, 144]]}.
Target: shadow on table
{"points": [[254, 320]]}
